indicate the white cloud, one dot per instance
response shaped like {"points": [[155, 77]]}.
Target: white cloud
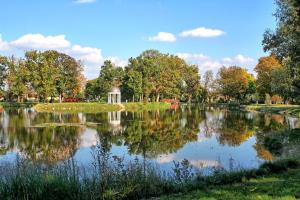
{"points": [[3, 45], [41, 42], [92, 58], [84, 1], [163, 37], [207, 63], [202, 32], [117, 61]]}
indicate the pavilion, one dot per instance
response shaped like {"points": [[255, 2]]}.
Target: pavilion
{"points": [[114, 96]]}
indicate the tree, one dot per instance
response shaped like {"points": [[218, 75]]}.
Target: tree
{"points": [[3, 73], [281, 83], [264, 69], [133, 84], [110, 76], [163, 75], [43, 74], [91, 89], [284, 42], [17, 79], [53, 73], [192, 79], [233, 82], [207, 86]]}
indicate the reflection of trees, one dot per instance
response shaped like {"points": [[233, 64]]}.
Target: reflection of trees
{"points": [[263, 153], [153, 133], [235, 128], [48, 143], [273, 125]]}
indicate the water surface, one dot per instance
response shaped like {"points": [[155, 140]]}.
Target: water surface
{"points": [[207, 137]]}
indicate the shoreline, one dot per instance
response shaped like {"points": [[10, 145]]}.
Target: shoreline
{"points": [[99, 107]]}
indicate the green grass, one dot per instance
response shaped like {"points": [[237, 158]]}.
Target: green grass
{"points": [[77, 107], [146, 106], [110, 177], [98, 107], [281, 186], [275, 108], [17, 105]]}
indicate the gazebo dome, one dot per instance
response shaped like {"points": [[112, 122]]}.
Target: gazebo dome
{"points": [[115, 90]]}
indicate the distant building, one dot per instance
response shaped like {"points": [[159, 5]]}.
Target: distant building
{"points": [[114, 96]]}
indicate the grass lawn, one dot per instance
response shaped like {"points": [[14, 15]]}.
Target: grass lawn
{"points": [[98, 107], [283, 186], [77, 107], [275, 108], [137, 106]]}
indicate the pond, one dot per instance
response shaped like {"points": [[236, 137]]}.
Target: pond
{"points": [[207, 137]]}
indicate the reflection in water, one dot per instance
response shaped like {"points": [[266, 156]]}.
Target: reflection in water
{"points": [[206, 137]]}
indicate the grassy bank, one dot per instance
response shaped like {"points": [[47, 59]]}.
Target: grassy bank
{"points": [[17, 105], [110, 177], [275, 108], [146, 106], [283, 186], [98, 107], [77, 107]]}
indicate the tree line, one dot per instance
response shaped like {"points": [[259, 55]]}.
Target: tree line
{"points": [[40, 75], [153, 76]]}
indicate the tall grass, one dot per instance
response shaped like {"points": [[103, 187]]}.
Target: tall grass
{"points": [[110, 177]]}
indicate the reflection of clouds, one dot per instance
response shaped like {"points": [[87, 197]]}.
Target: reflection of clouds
{"points": [[201, 137], [292, 122], [168, 158], [89, 138]]}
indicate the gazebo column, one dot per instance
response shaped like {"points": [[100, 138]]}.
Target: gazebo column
{"points": [[119, 98]]}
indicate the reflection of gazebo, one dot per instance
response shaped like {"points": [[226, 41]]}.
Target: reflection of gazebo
{"points": [[114, 119], [114, 95]]}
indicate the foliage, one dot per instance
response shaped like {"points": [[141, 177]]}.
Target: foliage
{"points": [[268, 100], [284, 41], [234, 82], [264, 69], [42, 75], [110, 76], [281, 83], [3, 74], [111, 178]]}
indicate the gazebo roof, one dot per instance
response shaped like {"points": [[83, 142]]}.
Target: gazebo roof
{"points": [[115, 90]]}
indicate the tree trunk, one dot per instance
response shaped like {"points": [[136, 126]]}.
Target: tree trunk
{"points": [[132, 98], [157, 98], [60, 98]]}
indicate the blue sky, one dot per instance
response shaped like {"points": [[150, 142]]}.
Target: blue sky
{"points": [[210, 33]]}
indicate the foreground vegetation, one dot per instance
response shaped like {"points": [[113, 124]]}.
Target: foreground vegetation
{"points": [[284, 186], [275, 108], [110, 177], [99, 107]]}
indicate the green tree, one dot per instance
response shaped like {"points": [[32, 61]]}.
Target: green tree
{"points": [[18, 79], [43, 74], [132, 86], [3, 73], [233, 82], [281, 83], [110, 76], [208, 81], [284, 41], [264, 69], [91, 90]]}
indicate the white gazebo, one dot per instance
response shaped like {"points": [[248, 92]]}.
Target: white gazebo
{"points": [[114, 96]]}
